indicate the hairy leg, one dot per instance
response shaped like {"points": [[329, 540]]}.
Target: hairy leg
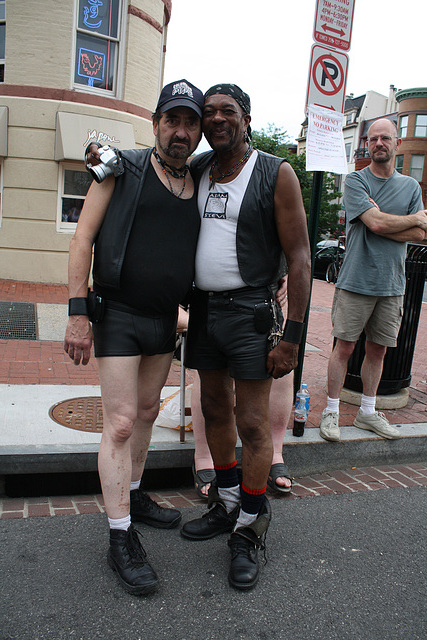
{"points": [[253, 425], [372, 367], [337, 366]]}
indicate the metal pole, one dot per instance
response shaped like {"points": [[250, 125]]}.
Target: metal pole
{"points": [[313, 227], [182, 392]]}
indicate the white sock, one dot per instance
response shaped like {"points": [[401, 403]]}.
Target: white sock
{"points": [[332, 405], [367, 404], [230, 496], [245, 519], [135, 485], [119, 523]]}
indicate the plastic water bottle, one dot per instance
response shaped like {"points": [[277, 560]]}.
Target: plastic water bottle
{"points": [[302, 402]]}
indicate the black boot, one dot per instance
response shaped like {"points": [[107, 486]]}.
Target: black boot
{"points": [[144, 509], [211, 524], [244, 544], [127, 557]]}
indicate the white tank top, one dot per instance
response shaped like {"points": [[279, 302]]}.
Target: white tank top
{"points": [[216, 256]]}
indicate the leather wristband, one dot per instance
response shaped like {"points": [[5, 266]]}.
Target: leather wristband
{"points": [[77, 307], [293, 331]]}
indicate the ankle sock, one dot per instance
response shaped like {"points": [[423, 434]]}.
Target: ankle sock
{"points": [[245, 519], [230, 496], [332, 405], [135, 485], [367, 405], [119, 523]]}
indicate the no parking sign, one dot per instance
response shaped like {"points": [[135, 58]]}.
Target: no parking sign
{"points": [[327, 78]]}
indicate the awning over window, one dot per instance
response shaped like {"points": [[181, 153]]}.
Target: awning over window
{"points": [[74, 132], [3, 131]]}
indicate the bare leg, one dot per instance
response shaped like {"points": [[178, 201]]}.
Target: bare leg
{"points": [[281, 400], [153, 373], [337, 366], [119, 377], [217, 399], [253, 425], [372, 367], [202, 454]]}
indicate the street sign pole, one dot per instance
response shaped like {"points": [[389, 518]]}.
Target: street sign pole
{"points": [[333, 24]]}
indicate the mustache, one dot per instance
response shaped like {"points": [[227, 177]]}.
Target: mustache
{"points": [[180, 141]]}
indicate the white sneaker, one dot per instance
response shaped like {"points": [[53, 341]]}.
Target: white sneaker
{"points": [[329, 429], [378, 423]]}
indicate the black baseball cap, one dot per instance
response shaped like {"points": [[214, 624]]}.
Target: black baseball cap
{"points": [[181, 93]]}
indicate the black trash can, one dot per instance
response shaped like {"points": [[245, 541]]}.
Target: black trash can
{"points": [[398, 360]]}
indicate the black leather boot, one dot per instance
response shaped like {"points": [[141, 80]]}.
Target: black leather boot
{"points": [[244, 544], [144, 509], [211, 524], [127, 557]]}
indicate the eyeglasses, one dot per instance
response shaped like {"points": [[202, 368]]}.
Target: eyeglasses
{"points": [[374, 139]]}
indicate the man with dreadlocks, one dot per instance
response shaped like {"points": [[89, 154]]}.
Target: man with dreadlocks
{"points": [[251, 214]]}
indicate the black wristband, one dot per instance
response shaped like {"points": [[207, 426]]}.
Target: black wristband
{"points": [[293, 331], [77, 307]]}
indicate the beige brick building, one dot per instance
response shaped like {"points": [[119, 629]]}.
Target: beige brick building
{"points": [[70, 72]]}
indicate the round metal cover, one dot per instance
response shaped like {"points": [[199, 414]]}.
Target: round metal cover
{"points": [[83, 414]]}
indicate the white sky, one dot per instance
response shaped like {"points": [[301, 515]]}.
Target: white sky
{"points": [[264, 46]]}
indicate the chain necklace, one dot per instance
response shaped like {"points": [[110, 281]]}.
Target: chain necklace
{"points": [[175, 173], [226, 174]]}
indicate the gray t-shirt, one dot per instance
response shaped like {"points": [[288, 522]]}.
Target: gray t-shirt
{"points": [[374, 265]]}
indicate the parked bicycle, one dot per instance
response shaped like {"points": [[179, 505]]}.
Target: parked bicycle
{"points": [[333, 269]]}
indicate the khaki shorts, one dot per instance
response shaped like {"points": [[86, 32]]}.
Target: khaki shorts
{"points": [[379, 316]]}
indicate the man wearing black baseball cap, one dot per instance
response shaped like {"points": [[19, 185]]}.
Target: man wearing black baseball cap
{"points": [[143, 221]]}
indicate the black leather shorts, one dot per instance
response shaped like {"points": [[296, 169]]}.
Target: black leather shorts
{"points": [[125, 334], [229, 330]]}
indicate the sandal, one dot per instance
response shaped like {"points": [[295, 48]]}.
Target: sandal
{"points": [[279, 470], [201, 479]]}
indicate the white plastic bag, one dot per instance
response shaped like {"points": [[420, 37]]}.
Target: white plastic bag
{"points": [[170, 408]]}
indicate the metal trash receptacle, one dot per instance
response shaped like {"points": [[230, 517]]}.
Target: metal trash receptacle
{"points": [[398, 360]]}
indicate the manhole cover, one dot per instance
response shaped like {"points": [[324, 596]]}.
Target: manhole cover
{"points": [[83, 414], [17, 320]]}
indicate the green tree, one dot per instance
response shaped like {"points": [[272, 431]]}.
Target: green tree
{"points": [[277, 142]]}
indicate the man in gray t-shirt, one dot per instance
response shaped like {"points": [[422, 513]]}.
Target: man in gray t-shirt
{"points": [[384, 211]]}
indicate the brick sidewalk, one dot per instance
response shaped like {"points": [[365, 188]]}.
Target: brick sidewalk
{"points": [[44, 362], [334, 482]]}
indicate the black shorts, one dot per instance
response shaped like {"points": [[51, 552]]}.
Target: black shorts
{"points": [[122, 333], [229, 330]]}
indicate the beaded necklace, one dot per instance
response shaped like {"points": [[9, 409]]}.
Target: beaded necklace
{"points": [[175, 173], [226, 174]]}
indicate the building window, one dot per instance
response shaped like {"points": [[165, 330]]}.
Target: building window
{"points": [[2, 37], [348, 151], [403, 127], [399, 163], [97, 44], [421, 127], [73, 187], [417, 166], [349, 118]]}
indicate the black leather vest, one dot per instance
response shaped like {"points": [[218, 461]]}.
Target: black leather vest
{"points": [[112, 239], [259, 252]]}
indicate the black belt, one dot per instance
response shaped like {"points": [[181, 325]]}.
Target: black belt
{"points": [[232, 293]]}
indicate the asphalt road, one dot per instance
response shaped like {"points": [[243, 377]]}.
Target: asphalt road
{"points": [[345, 567]]}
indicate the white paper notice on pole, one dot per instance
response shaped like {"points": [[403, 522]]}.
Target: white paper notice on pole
{"points": [[325, 150]]}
